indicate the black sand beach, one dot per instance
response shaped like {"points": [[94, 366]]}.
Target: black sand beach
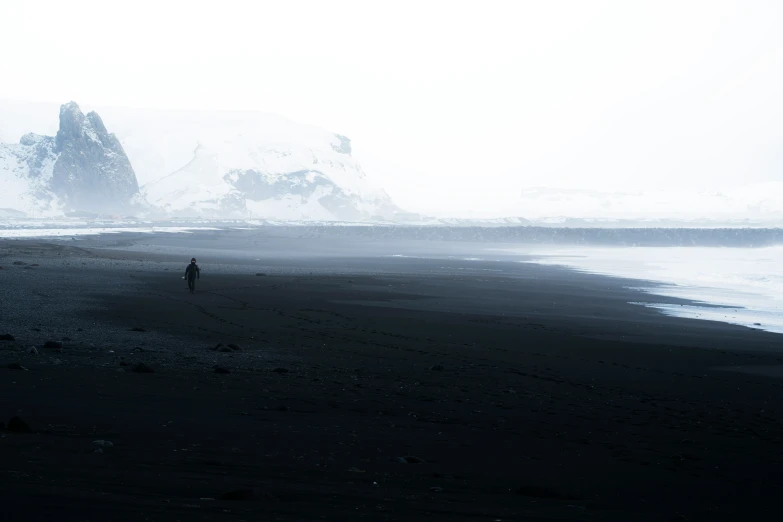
{"points": [[367, 387]]}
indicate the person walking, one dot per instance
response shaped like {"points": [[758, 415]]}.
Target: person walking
{"points": [[192, 272]]}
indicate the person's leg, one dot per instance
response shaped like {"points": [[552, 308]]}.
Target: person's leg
{"points": [[193, 285]]}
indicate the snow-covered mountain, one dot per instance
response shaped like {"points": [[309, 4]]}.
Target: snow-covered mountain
{"points": [[258, 173], [236, 165], [81, 168]]}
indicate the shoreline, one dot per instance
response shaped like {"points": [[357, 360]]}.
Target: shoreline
{"points": [[732, 292], [728, 305]]}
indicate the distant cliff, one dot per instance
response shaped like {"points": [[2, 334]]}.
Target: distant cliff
{"points": [[81, 169]]}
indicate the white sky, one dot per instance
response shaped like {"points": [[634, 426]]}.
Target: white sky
{"points": [[454, 107]]}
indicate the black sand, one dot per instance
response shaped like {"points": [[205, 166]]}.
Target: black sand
{"points": [[516, 392]]}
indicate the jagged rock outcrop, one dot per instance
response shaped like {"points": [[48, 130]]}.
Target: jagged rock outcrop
{"points": [[92, 171], [83, 168]]}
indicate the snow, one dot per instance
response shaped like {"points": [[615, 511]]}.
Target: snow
{"points": [[181, 157], [160, 143], [292, 208], [196, 182], [13, 186], [17, 188], [89, 131], [253, 145]]}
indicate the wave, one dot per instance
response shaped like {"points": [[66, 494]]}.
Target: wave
{"points": [[741, 286]]}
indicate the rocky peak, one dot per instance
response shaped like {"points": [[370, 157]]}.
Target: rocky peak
{"points": [[31, 139], [92, 172], [71, 123], [96, 123]]}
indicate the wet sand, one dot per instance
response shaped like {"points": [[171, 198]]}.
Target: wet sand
{"points": [[370, 388]]}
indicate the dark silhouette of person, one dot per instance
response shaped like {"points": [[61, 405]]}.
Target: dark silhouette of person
{"points": [[192, 272]]}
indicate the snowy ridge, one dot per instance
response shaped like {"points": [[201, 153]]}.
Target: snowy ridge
{"points": [[248, 165], [201, 164], [26, 171]]}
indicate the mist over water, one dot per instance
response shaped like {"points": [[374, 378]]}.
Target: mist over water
{"points": [[742, 286], [738, 284]]}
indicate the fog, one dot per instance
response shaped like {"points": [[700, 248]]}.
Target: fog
{"points": [[455, 109]]}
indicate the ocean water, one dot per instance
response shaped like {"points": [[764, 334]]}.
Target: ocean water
{"points": [[742, 286]]}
